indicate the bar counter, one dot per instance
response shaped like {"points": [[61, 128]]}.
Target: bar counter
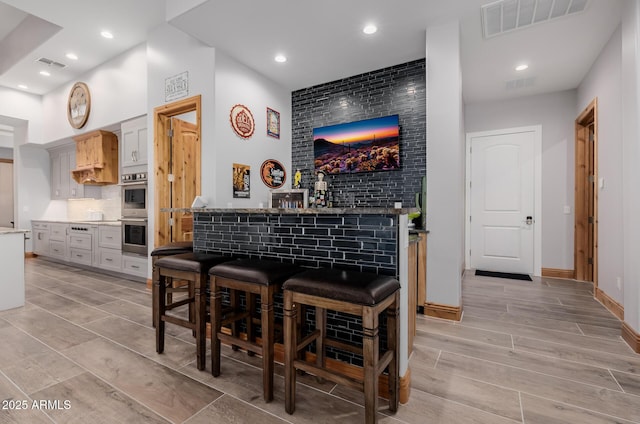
{"points": [[361, 239], [12, 264]]}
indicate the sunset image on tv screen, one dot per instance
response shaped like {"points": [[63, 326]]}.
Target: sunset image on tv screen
{"points": [[361, 146]]}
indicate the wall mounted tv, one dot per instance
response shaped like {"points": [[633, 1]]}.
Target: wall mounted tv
{"points": [[360, 146]]}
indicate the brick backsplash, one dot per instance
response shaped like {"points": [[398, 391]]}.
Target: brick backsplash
{"points": [[357, 242], [400, 90]]}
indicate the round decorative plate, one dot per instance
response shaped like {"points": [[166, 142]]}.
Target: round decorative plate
{"points": [[273, 173], [242, 121], [78, 105]]}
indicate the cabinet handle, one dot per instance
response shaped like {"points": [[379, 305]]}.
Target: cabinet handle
{"points": [[109, 237], [135, 266], [108, 259]]}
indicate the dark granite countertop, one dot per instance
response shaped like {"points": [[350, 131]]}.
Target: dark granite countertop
{"points": [[300, 211]]}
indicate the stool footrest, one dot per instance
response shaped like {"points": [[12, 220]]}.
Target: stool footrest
{"points": [[307, 340], [235, 317], [384, 361], [347, 347], [179, 321], [246, 345], [327, 374], [180, 303]]}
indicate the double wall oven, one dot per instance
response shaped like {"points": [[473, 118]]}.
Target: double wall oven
{"points": [[134, 213]]}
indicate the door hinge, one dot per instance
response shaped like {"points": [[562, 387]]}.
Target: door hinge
{"points": [[170, 178], [170, 133], [591, 178], [590, 261], [590, 220], [170, 222], [591, 137]]}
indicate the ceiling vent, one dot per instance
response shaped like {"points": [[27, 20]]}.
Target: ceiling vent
{"points": [[508, 15], [50, 62]]}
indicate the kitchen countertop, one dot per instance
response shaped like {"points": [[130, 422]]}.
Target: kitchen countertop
{"points": [[68, 221], [9, 230]]}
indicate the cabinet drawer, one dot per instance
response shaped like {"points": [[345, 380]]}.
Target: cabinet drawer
{"points": [[58, 249], [134, 265], [80, 256], [110, 237], [40, 225], [80, 241], [58, 232], [110, 259]]}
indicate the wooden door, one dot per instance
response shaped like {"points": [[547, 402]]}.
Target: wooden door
{"points": [[185, 160]]}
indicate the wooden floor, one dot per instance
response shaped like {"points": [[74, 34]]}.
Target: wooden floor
{"points": [[525, 352]]}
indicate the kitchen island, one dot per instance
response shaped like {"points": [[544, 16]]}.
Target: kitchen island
{"points": [[361, 239], [12, 266]]}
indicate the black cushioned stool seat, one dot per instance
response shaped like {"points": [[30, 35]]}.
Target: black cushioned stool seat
{"points": [[253, 277], [173, 248], [192, 267], [356, 293]]}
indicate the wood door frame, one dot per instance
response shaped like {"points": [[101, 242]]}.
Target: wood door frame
{"points": [[161, 153], [537, 191], [589, 116]]}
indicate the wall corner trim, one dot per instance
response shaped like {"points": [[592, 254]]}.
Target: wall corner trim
{"points": [[631, 337]]}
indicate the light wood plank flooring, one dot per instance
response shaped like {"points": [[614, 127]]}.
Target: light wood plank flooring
{"points": [[525, 352]]}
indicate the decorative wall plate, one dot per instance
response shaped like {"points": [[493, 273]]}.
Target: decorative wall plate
{"points": [[78, 105], [242, 121], [273, 173]]}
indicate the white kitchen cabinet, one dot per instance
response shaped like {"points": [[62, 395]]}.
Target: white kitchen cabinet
{"points": [[133, 152], [134, 265], [110, 247], [63, 161], [58, 234], [40, 238], [81, 248]]}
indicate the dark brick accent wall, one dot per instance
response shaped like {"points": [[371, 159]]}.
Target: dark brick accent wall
{"points": [[401, 90], [357, 242]]}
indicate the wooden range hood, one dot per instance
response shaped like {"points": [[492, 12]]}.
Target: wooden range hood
{"points": [[96, 158]]}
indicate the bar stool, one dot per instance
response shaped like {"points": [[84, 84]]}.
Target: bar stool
{"points": [[253, 277], [356, 293], [173, 248], [193, 268]]}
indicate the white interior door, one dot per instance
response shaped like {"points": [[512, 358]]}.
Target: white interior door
{"points": [[502, 201], [6, 194]]}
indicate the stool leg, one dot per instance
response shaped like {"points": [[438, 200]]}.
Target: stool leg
{"points": [[201, 321], [290, 344], [234, 300], [267, 321], [393, 334], [159, 310], [154, 280], [321, 324], [216, 323], [251, 308], [192, 307], [370, 354]]}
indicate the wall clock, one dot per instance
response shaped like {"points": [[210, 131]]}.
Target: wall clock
{"points": [[78, 105]]}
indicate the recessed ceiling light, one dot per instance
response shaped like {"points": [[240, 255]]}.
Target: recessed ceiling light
{"points": [[24, 87], [106, 34], [45, 73], [522, 67], [370, 29], [71, 56], [280, 58]]}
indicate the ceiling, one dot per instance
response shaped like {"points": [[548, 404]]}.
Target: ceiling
{"points": [[322, 40]]}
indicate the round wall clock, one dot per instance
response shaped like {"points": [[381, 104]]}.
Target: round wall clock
{"points": [[242, 121], [78, 105]]}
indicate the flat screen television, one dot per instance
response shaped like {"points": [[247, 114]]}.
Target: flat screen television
{"points": [[360, 146]]}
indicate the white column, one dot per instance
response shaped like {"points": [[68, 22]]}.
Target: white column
{"points": [[445, 165]]}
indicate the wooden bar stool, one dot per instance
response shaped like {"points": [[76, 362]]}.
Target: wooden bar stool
{"points": [[253, 277], [356, 293], [192, 267], [173, 248]]}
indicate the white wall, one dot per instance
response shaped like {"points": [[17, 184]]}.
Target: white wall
{"points": [[6, 152], [118, 91], [236, 83], [18, 106], [169, 53], [630, 159], [603, 82], [556, 112], [445, 165]]}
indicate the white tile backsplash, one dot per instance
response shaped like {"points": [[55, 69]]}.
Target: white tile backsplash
{"points": [[109, 205]]}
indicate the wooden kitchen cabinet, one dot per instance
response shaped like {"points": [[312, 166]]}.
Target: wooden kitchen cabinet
{"points": [[96, 158]]}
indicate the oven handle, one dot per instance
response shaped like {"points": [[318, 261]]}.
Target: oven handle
{"points": [[133, 219]]}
